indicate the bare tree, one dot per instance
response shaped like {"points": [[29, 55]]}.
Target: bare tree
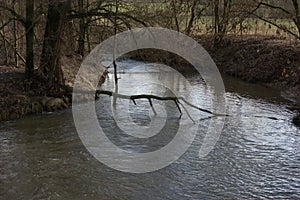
{"points": [[192, 17], [50, 59], [29, 29], [292, 13], [222, 13], [82, 29]]}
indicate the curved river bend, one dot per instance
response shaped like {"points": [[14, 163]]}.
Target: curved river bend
{"points": [[42, 157]]}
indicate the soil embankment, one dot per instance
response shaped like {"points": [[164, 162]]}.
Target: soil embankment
{"points": [[265, 60], [16, 100]]}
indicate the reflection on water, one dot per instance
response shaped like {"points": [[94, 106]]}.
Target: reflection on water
{"points": [[42, 157]]}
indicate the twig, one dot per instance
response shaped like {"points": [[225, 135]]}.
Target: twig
{"points": [[187, 112], [176, 102], [8, 42]]}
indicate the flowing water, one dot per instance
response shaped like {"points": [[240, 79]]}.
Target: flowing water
{"points": [[42, 157]]}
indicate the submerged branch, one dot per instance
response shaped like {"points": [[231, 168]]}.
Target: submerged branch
{"points": [[176, 100], [150, 97]]}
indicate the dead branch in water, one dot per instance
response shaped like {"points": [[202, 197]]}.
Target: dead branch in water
{"points": [[150, 97], [140, 96], [176, 100]]}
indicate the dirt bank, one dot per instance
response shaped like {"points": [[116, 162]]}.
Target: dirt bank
{"points": [[257, 59], [16, 100], [265, 60]]}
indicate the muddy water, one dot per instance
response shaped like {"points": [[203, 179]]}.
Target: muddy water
{"points": [[42, 157]]}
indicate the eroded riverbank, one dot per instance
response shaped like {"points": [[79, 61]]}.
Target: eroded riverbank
{"points": [[17, 100]]}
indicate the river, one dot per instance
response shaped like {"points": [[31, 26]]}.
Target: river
{"points": [[42, 157]]}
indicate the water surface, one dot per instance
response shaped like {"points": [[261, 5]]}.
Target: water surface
{"points": [[42, 157]]}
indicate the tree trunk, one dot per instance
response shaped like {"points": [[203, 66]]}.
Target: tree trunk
{"points": [[225, 17], [2, 33], [298, 26], [192, 18], [15, 33], [87, 30], [217, 21], [175, 15], [51, 53], [29, 38], [297, 17], [82, 30]]}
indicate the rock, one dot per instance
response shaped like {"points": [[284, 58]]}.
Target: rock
{"points": [[36, 107], [55, 104], [45, 100]]}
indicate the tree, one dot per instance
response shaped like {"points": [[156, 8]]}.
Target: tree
{"points": [[296, 17], [50, 59], [29, 29], [28, 23], [222, 11], [192, 17], [82, 30], [10, 14], [290, 9]]}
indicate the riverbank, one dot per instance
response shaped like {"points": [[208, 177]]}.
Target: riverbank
{"points": [[17, 101], [264, 60], [271, 61]]}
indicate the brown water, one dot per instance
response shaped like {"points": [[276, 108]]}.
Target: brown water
{"points": [[42, 157]]}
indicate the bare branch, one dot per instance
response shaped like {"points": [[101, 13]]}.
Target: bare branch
{"points": [[276, 7], [149, 96], [17, 16], [276, 25], [175, 99], [6, 23], [104, 13], [8, 42]]}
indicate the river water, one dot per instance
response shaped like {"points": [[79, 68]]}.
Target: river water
{"points": [[42, 157]]}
